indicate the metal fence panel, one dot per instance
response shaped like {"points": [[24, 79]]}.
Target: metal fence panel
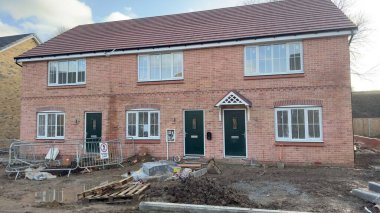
{"points": [[66, 156]]}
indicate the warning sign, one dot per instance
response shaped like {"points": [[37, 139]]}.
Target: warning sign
{"points": [[103, 148]]}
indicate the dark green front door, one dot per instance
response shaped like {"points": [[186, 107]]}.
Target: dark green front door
{"points": [[93, 131], [194, 133], [234, 133]]}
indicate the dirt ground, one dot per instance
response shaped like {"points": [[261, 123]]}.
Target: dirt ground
{"points": [[316, 189]]}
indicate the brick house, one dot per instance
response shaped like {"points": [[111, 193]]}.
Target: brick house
{"points": [[10, 81], [269, 82]]}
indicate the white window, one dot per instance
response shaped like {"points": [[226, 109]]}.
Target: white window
{"points": [[50, 125], [160, 67], [72, 72], [274, 59], [144, 124], [298, 124]]}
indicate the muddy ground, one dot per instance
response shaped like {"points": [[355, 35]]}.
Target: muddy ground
{"points": [[316, 189]]}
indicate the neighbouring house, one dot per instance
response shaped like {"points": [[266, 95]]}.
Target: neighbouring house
{"points": [[10, 82], [366, 113], [267, 82]]}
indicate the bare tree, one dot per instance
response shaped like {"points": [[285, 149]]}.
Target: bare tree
{"points": [[61, 29]]}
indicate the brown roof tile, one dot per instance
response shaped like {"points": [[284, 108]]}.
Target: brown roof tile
{"points": [[227, 24]]}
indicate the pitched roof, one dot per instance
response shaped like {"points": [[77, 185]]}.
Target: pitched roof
{"points": [[287, 17], [366, 104], [8, 41]]}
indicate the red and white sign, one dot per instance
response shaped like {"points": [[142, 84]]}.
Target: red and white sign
{"points": [[103, 150]]}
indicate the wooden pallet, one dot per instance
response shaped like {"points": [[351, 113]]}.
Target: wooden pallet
{"points": [[114, 194]]}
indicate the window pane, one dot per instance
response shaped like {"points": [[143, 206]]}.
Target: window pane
{"points": [[62, 72], [131, 124], [41, 125], [143, 68], [51, 125], [143, 124], [265, 59], [154, 124], [282, 124], [295, 57], [250, 60], [72, 75], [166, 66], [60, 125], [81, 70], [313, 124], [178, 65], [53, 72], [298, 124], [155, 67], [279, 58]]}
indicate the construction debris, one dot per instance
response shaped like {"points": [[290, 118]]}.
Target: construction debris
{"points": [[115, 192], [372, 194], [212, 168], [36, 174]]}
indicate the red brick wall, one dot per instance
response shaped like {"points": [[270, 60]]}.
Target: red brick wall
{"points": [[208, 75]]}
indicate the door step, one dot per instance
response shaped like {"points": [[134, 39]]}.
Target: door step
{"points": [[191, 157]]}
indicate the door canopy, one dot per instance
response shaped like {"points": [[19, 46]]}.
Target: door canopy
{"points": [[234, 98]]}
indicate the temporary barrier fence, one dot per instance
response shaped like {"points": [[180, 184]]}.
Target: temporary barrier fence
{"points": [[66, 156]]}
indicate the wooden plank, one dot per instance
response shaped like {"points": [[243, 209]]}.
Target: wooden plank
{"points": [[127, 190], [130, 193], [191, 166], [100, 189], [142, 189]]}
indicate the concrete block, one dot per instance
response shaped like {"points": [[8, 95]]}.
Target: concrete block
{"points": [[369, 196], [156, 168], [373, 186], [180, 207], [199, 173]]}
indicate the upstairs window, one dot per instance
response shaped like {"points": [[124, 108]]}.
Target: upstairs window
{"points": [[72, 72], [299, 124], [160, 67], [274, 59], [50, 125]]}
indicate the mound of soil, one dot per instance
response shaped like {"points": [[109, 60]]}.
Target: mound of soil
{"points": [[204, 190]]}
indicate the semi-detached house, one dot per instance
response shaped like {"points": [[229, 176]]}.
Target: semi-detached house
{"points": [[268, 82]]}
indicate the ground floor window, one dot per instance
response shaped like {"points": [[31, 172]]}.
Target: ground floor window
{"points": [[299, 124], [50, 125], [144, 124]]}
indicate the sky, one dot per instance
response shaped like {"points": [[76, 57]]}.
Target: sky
{"points": [[46, 17]]}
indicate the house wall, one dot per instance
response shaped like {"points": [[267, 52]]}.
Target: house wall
{"points": [[209, 74], [10, 80]]}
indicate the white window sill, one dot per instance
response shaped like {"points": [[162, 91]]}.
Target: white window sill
{"points": [[163, 80], [44, 138], [298, 141], [133, 138], [62, 85], [274, 74]]}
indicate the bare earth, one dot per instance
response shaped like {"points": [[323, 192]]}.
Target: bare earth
{"points": [[316, 189]]}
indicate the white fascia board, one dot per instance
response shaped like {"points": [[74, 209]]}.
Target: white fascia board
{"points": [[190, 47]]}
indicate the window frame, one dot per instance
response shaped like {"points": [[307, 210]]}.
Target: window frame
{"points": [[46, 113], [67, 73], [136, 112], [306, 121], [160, 65], [287, 72]]}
